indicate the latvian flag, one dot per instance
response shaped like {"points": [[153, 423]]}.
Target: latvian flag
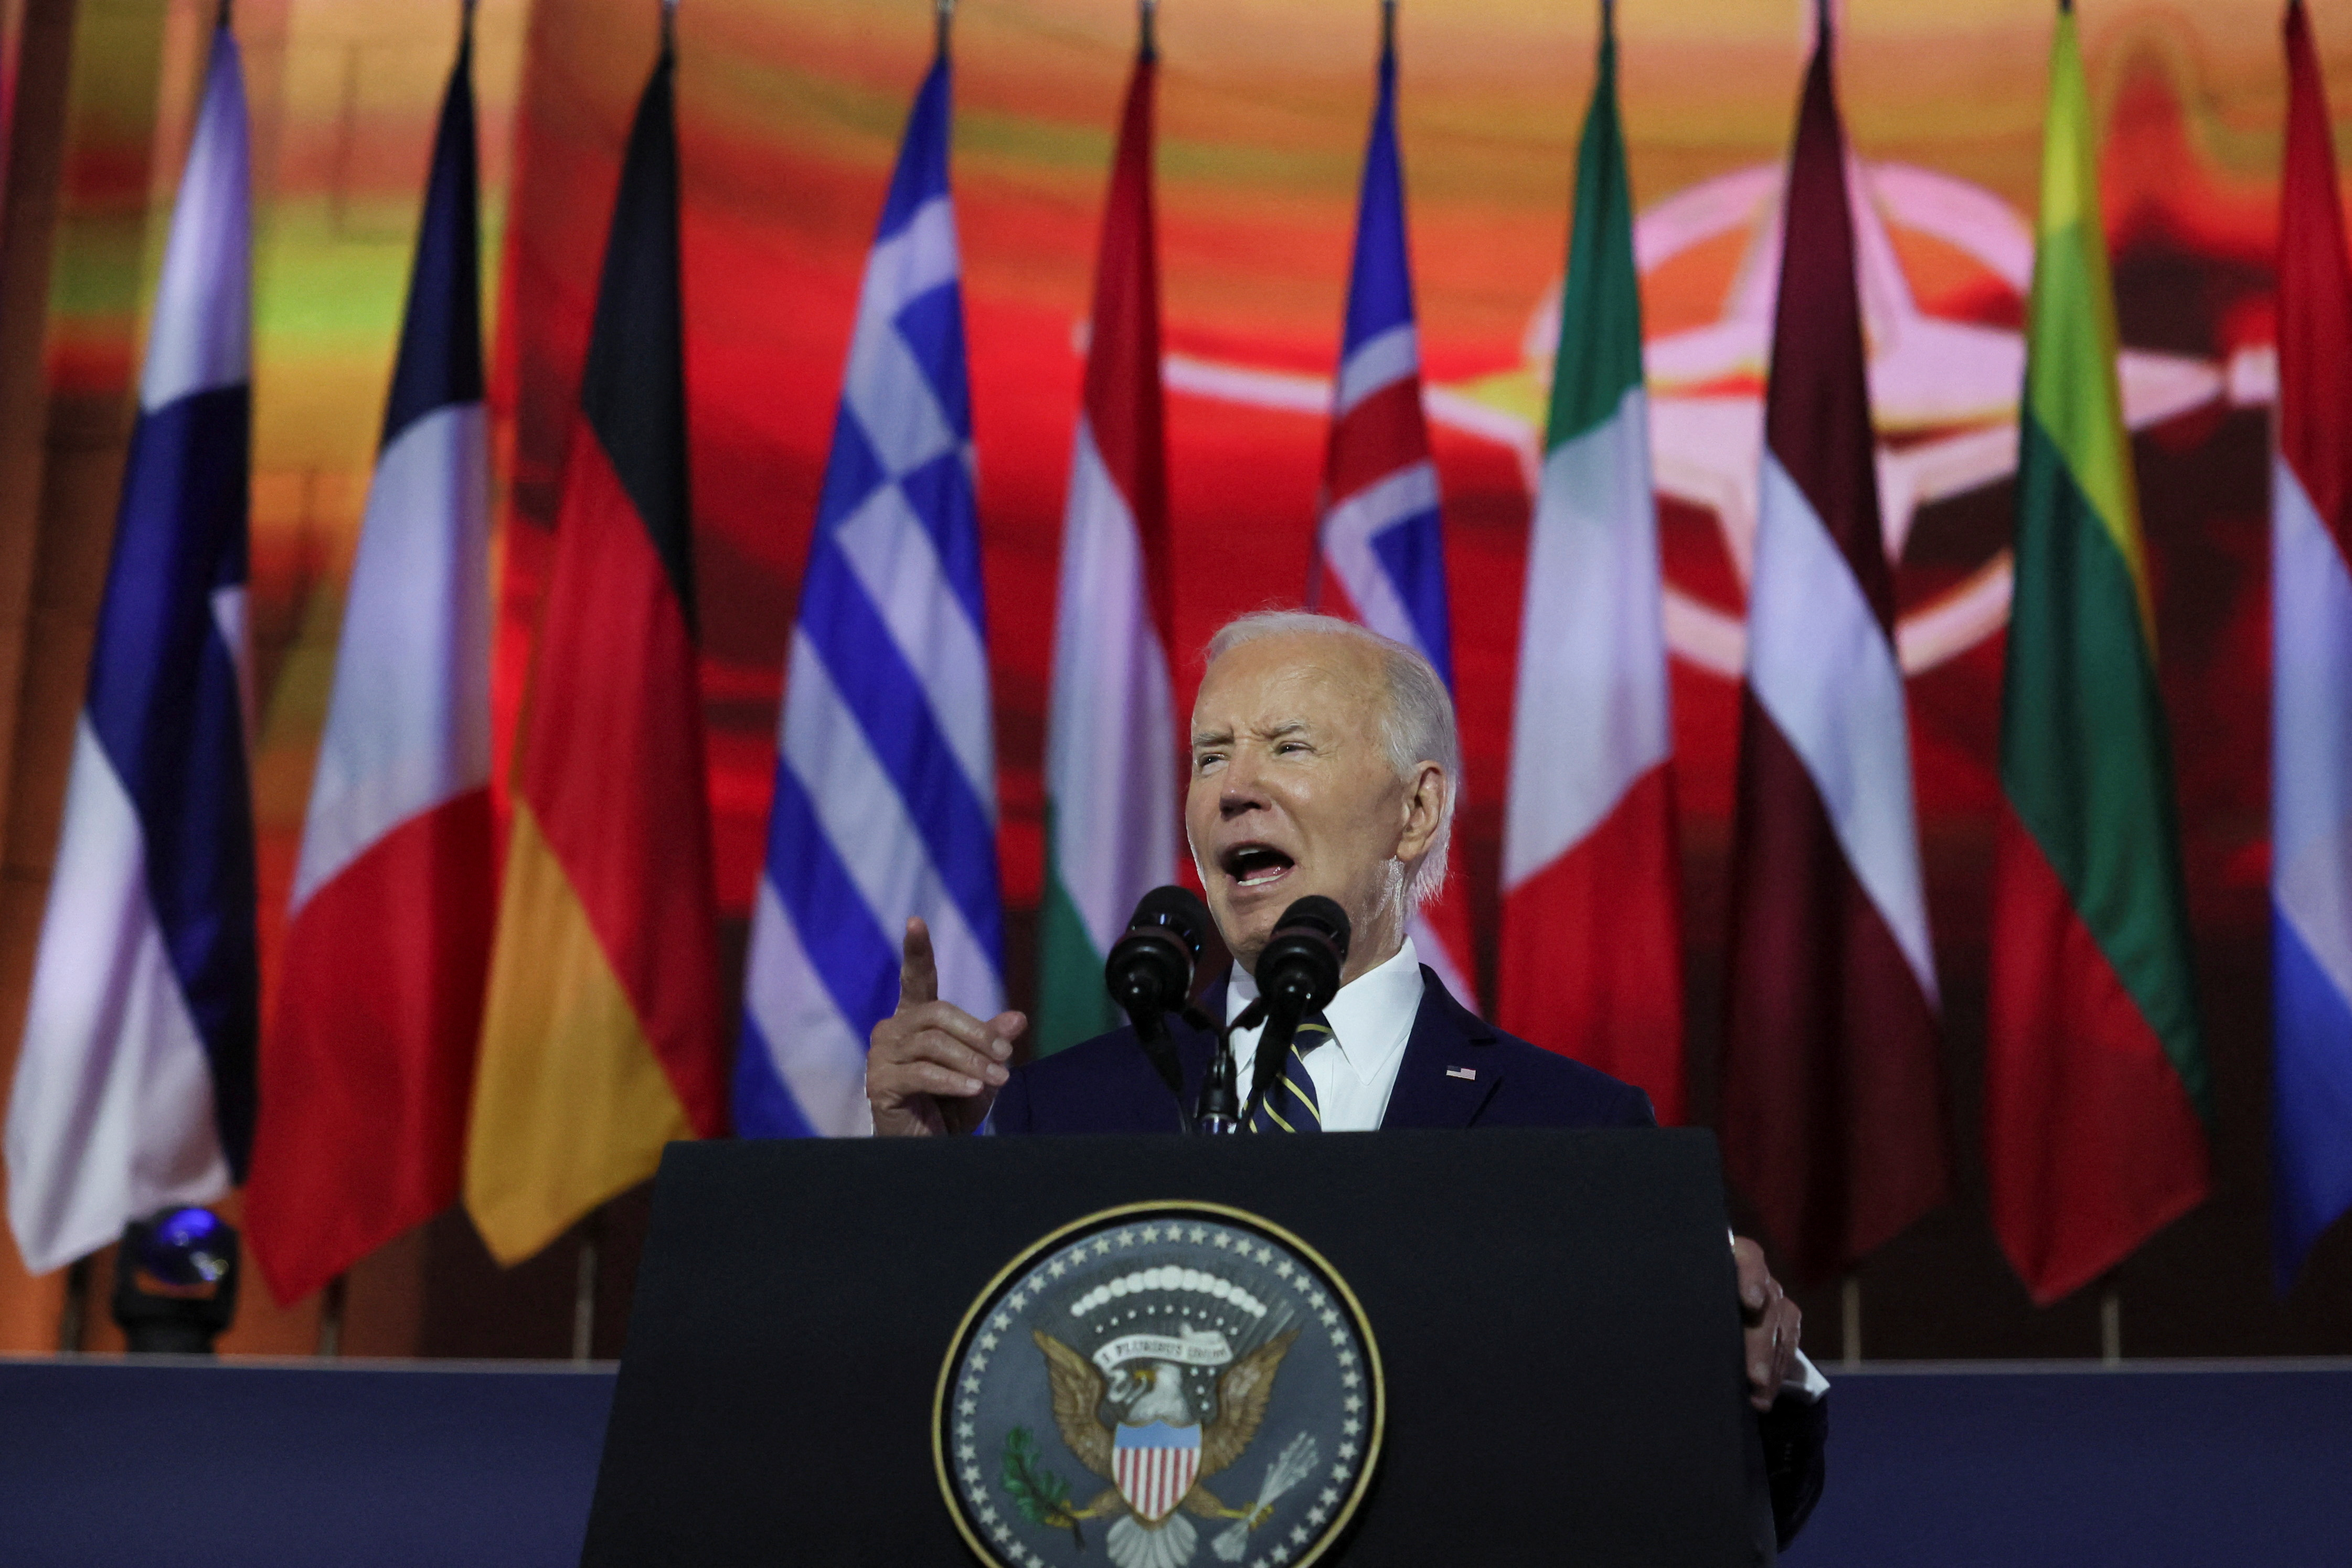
{"points": [[2096, 1093], [1591, 959], [135, 1089], [602, 1038], [1379, 553], [2311, 675], [1834, 1117], [885, 803], [1111, 759], [370, 1058]]}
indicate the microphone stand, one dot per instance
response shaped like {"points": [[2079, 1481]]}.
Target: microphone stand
{"points": [[1273, 1046], [1220, 1111]]}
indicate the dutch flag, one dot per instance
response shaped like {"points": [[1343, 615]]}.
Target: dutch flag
{"points": [[135, 1089]]}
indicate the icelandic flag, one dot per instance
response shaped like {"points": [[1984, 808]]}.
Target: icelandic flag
{"points": [[884, 802], [2311, 675], [370, 1059], [134, 1088], [1379, 553]]}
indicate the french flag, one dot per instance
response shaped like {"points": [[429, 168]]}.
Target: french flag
{"points": [[134, 1088], [369, 1066], [1380, 554]]}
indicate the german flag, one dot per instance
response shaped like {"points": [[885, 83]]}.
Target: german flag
{"points": [[602, 1038]]}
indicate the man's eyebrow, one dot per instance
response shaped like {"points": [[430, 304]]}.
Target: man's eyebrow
{"points": [[1213, 737]]}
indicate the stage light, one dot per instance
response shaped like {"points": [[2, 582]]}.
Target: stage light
{"points": [[175, 1282]]}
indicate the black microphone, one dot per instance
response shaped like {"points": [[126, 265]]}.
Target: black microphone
{"points": [[1149, 975], [1298, 974]]}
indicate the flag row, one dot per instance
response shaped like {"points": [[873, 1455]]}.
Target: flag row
{"points": [[521, 1020]]}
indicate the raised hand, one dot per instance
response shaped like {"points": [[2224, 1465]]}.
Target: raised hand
{"points": [[931, 1067]]}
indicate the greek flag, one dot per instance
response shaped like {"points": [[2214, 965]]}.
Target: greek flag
{"points": [[135, 1089], [884, 802]]}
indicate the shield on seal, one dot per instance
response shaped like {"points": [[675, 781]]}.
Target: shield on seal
{"points": [[1155, 1465]]}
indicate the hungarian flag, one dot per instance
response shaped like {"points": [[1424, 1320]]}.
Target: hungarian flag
{"points": [[601, 1038], [2096, 1099], [1833, 1111], [1111, 762], [370, 1059], [1591, 959], [2310, 676], [1380, 550], [134, 1086]]}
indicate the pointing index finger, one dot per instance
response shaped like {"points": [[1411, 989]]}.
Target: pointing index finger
{"points": [[918, 972]]}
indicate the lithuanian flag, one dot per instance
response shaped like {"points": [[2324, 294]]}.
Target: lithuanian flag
{"points": [[602, 1038], [2097, 1100]]}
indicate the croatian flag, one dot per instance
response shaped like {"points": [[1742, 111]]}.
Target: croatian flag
{"points": [[885, 803], [370, 1059], [1379, 552], [134, 1088], [2311, 675]]}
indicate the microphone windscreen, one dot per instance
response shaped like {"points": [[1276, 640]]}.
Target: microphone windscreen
{"points": [[1321, 914], [1178, 909]]}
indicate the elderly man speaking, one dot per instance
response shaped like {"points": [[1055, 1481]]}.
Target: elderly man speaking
{"points": [[1324, 760]]}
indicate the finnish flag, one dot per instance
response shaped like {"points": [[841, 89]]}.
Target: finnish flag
{"points": [[134, 1088]]}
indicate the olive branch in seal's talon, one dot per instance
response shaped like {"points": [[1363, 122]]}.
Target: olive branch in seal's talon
{"points": [[1042, 1496]]}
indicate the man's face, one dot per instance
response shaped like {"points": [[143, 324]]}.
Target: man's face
{"points": [[1292, 793]]}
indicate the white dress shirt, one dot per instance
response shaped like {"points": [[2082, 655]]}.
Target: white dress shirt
{"points": [[1370, 1020]]}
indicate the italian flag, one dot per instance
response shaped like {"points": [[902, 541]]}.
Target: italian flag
{"points": [[1592, 944], [1111, 766], [2097, 1096], [602, 1038]]}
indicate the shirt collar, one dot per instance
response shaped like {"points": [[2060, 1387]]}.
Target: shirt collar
{"points": [[1371, 1018]]}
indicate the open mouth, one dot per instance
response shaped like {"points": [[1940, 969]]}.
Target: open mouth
{"points": [[1255, 865]]}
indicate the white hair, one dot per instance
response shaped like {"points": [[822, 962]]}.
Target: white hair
{"points": [[1417, 722]]}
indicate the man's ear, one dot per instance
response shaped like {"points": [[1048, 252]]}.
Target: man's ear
{"points": [[1424, 809]]}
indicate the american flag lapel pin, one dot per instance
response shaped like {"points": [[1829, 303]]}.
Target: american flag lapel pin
{"points": [[1462, 1073]]}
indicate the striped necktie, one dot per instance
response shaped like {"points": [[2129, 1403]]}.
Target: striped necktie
{"points": [[1290, 1105]]}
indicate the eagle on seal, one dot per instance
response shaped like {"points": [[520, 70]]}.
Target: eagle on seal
{"points": [[1152, 1395]]}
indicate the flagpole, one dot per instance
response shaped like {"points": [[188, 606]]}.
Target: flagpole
{"points": [[944, 14], [1148, 45], [583, 1284], [331, 1307], [1388, 28]]}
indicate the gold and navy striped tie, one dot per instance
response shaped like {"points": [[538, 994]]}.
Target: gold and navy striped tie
{"points": [[1290, 1105]]}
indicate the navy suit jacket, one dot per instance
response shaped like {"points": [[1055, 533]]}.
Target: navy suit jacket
{"points": [[1106, 1085]]}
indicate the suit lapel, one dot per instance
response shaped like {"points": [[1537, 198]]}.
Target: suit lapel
{"points": [[1192, 1050], [1447, 1040]]}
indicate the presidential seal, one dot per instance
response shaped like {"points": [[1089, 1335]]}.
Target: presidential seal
{"points": [[1156, 1379]]}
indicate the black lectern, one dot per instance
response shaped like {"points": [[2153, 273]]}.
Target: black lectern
{"points": [[1548, 1321]]}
